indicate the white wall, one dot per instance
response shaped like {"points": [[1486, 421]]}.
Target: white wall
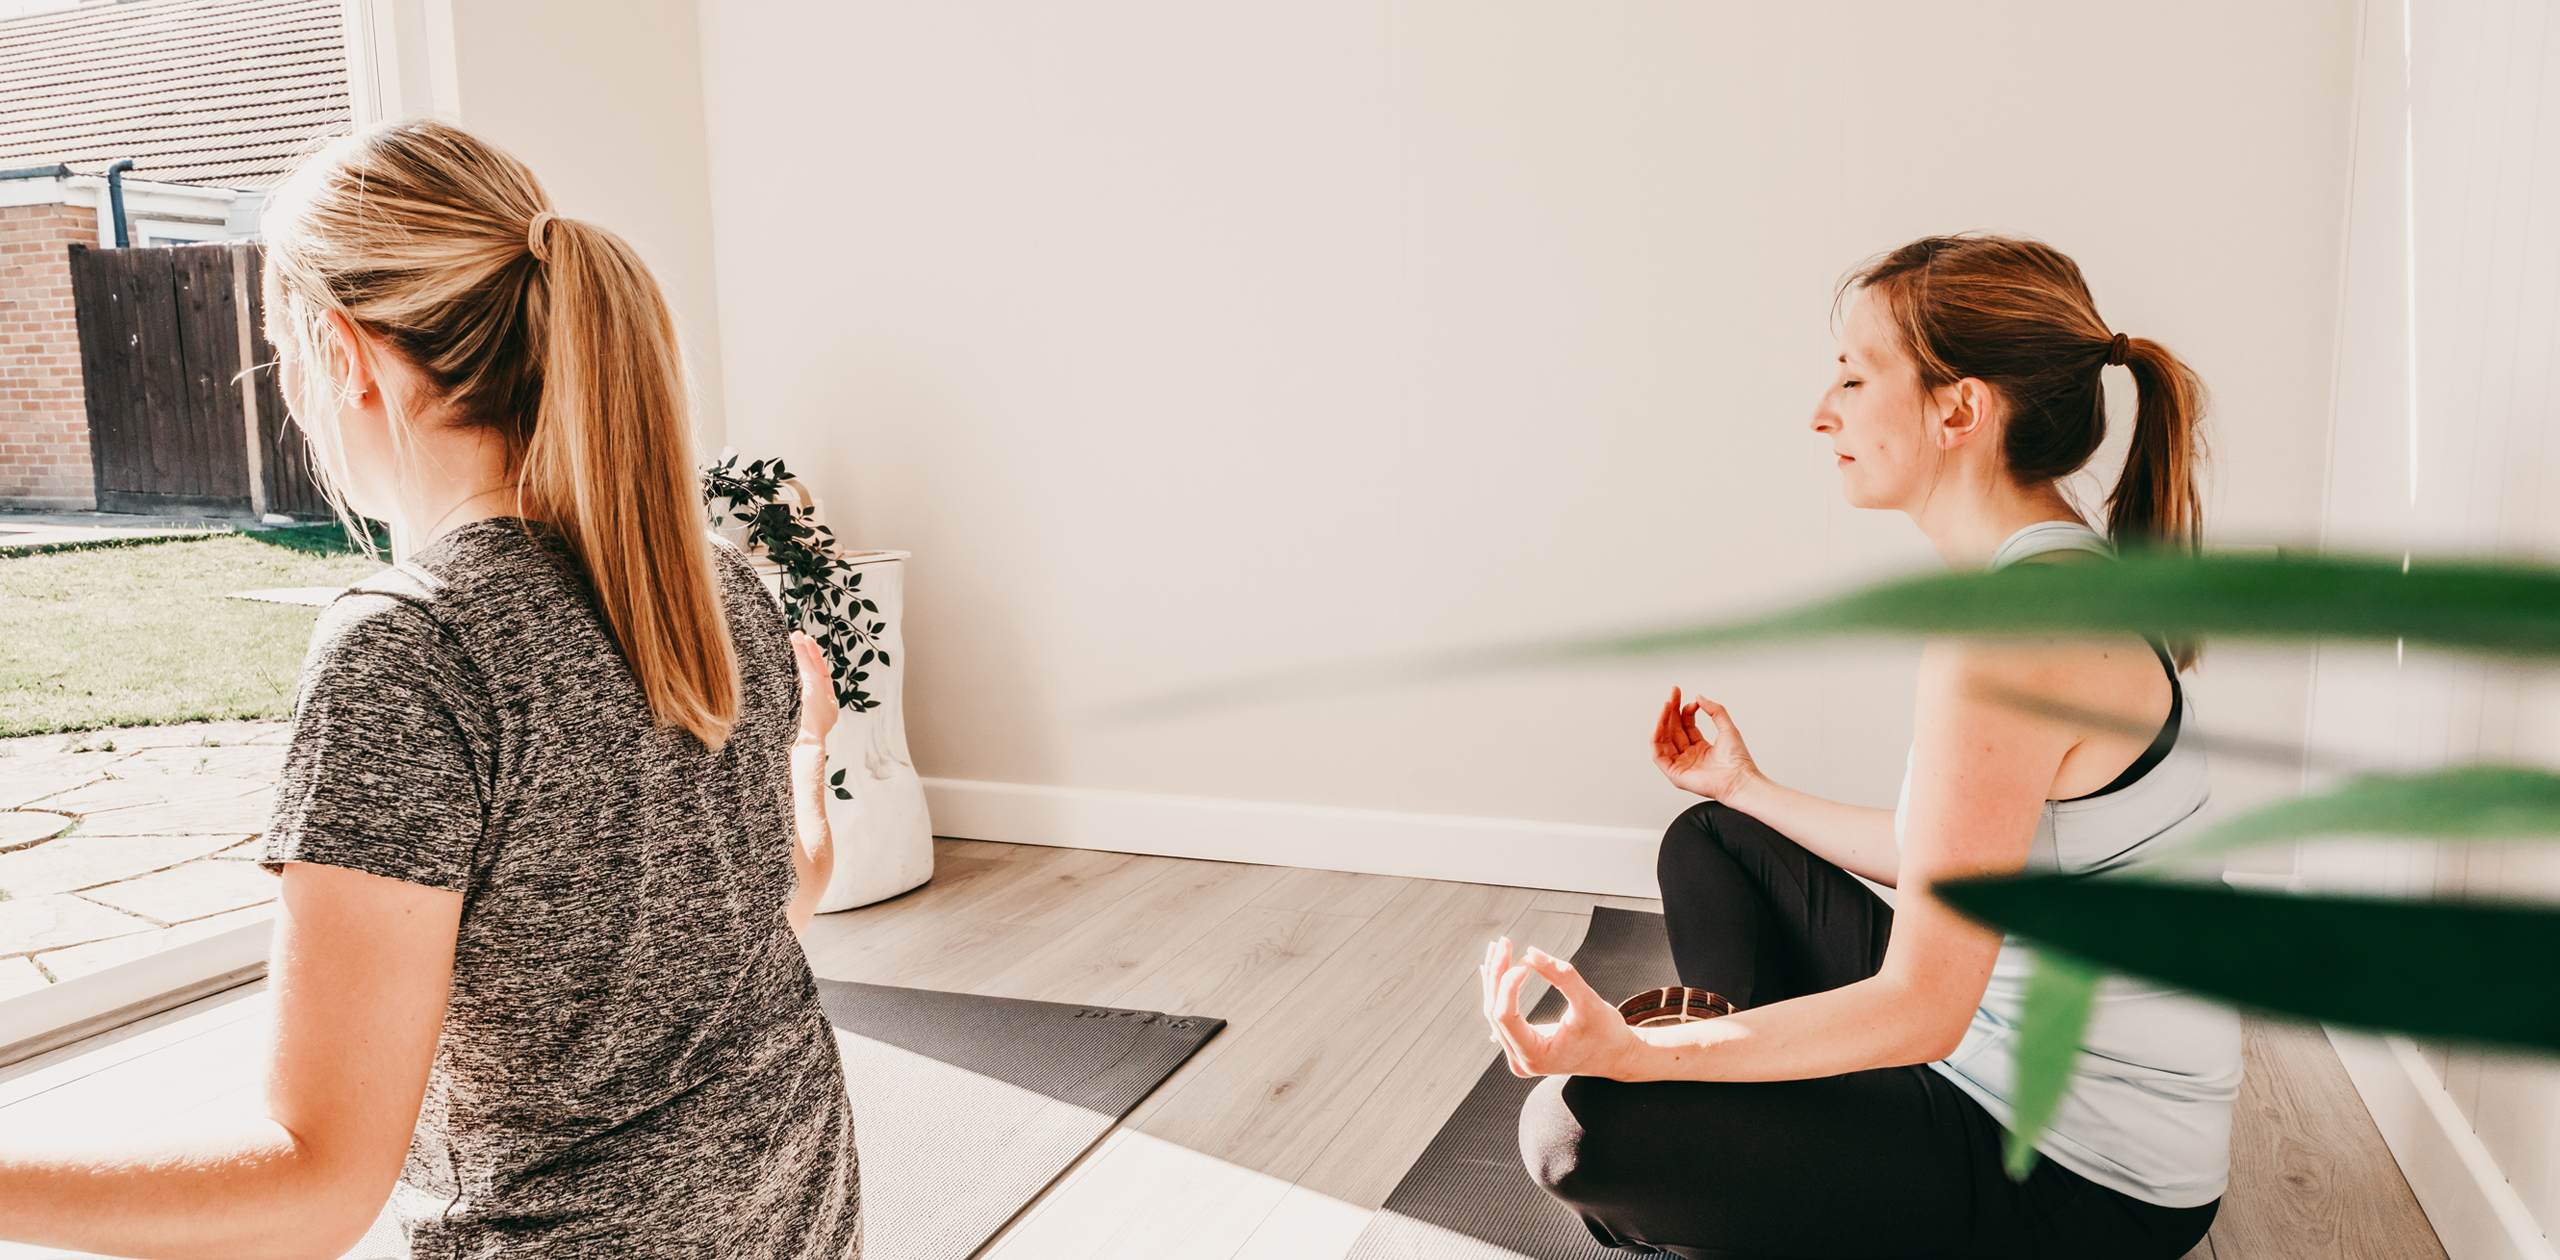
{"points": [[602, 98], [2465, 137], [1181, 342]]}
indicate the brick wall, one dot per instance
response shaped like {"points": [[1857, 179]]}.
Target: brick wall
{"points": [[44, 421]]}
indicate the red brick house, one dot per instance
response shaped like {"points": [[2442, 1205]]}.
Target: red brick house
{"points": [[211, 99]]}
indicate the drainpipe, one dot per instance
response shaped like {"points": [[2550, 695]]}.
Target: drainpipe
{"points": [[115, 195]]}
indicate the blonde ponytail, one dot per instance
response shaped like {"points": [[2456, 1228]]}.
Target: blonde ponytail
{"points": [[440, 249], [610, 461]]}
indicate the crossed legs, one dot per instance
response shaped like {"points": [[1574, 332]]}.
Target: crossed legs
{"points": [[1880, 1163]]}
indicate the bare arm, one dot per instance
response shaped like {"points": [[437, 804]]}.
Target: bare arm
{"points": [[1981, 773], [361, 970], [813, 853], [1855, 838]]}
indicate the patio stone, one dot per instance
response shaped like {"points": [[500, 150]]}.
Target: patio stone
{"points": [[194, 735], [59, 920], [193, 891], [86, 767], [80, 960], [21, 827], [129, 792], [86, 861], [20, 790], [249, 850], [19, 975], [189, 804], [249, 762]]}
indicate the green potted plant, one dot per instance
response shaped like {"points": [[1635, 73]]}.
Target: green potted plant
{"points": [[850, 602]]}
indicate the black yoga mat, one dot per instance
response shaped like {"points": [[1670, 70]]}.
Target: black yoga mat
{"points": [[1468, 1198], [965, 1107]]}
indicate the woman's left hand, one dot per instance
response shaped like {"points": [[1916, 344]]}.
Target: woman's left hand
{"points": [[1591, 1040], [817, 691]]}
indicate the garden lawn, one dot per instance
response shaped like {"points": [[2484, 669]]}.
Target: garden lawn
{"points": [[141, 635]]}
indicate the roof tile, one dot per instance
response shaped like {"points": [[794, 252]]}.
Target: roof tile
{"points": [[221, 92]]}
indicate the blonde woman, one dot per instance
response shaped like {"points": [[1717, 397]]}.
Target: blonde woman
{"points": [[536, 957]]}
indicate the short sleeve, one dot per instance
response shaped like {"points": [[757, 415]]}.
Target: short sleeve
{"points": [[384, 774]]}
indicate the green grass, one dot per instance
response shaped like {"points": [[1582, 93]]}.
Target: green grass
{"points": [[141, 635]]}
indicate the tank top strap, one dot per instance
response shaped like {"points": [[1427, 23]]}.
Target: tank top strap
{"points": [[2045, 536]]}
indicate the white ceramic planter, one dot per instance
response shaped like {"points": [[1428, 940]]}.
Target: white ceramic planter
{"points": [[883, 837]]}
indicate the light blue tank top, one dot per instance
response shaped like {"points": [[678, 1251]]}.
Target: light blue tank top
{"points": [[2149, 1112]]}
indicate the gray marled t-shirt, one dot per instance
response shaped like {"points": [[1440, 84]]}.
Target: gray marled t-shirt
{"points": [[634, 1062]]}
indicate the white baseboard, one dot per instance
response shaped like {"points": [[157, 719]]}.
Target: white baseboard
{"points": [[2476, 1213], [1566, 856]]}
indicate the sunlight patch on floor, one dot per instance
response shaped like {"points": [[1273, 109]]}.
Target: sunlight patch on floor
{"points": [[1142, 1198]]}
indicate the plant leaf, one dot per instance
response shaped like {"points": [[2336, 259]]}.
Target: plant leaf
{"points": [[2492, 608], [2476, 802], [2059, 992], [2466, 970]]}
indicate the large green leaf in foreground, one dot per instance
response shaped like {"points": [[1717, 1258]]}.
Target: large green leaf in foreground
{"points": [[2499, 609], [2426, 968], [2506, 610], [2059, 993], [2477, 802]]}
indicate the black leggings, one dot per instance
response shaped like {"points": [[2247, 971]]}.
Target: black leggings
{"points": [[1882, 1163]]}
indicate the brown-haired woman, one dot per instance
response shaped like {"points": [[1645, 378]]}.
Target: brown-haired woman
{"points": [[536, 957], [1853, 1105]]}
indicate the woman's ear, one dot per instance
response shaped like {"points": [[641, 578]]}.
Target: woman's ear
{"points": [[360, 382], [1968, 411]]}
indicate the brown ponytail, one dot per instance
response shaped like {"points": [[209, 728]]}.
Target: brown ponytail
{"points": [[2156, 498], [546, 330]]}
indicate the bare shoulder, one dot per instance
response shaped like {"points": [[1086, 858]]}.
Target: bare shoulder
{"points": [[2039, 676]]}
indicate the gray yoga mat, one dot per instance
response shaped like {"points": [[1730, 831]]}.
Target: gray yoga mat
{"points": [[1468, 1198], [965, 1107]]}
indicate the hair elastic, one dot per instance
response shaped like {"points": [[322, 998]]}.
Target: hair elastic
{"points": [[2116, 350], [537, 235]]}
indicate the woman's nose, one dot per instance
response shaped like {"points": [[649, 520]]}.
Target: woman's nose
{"points": [[1824, 419]]}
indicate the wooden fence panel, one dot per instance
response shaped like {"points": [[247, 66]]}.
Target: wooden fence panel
{"points": [[292, 487], [214, 441], [169, 427], [105, 305]]}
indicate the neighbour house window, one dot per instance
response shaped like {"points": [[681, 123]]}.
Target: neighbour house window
{"points": [[152, 232]]}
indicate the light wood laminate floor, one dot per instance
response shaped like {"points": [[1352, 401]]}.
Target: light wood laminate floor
{"points": [[1353, 1031]]}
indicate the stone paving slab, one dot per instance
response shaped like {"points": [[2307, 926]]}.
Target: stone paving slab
{"points": [[118, 793], [256, 763], [168, 828], [17, 790], [20, 828], [190, 891], [33, 924], [80, 960], [36, 531], [80, 862], [204, 807]]}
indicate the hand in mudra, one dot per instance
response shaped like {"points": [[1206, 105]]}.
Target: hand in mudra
{"points": [[1714, 769], [1591, 1040]]}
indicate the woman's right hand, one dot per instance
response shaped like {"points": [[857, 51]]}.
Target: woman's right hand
{"points": [[1716, 769]]}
